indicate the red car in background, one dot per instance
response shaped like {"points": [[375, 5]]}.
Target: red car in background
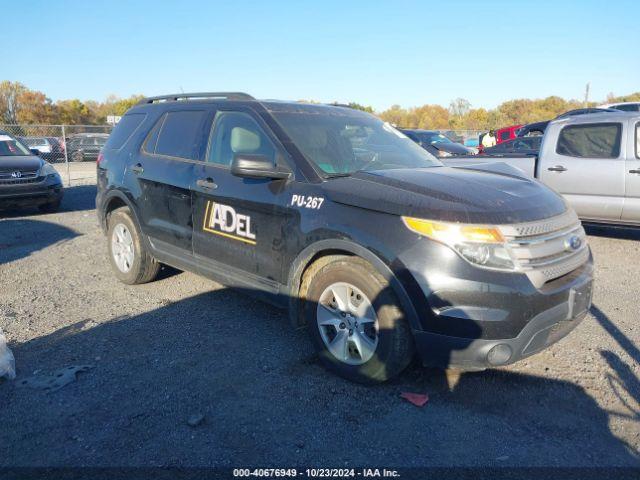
{"points": [[506, 133]]}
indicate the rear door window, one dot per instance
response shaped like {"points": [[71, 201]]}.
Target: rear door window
{"points": [[598, 140], [123, 130], [181, 134]]}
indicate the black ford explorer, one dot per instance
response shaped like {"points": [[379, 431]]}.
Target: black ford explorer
{"points": [[370, 241], [25, 179]]}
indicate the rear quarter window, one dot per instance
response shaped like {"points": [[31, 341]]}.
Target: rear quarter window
{"points": [[123, 130], [181, 134], [601, 140]]}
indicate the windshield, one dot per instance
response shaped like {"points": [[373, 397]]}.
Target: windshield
{"points": [[434, 138], [340, 142], [9, 147]]}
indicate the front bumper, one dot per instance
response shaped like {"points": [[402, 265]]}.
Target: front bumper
{"points": [[473, 318], [30, 194], [543, 330]]}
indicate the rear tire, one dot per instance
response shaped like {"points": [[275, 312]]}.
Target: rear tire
{"points": [[366, 318], [131, 262]]}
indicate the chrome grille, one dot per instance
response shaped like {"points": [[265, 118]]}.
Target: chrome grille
{"points": [[8, 177], [19, 181], [543, 250]]}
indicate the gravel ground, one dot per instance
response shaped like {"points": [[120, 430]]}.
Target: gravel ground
{"points": [[184, 346]]}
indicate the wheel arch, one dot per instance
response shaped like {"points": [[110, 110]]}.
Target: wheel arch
{"points": [[331, 247], [113, 200]]}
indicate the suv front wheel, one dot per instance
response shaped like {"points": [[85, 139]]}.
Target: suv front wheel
{"points": [[131, 262], [356, 320]]}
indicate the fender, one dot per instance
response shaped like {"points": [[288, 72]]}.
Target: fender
{"points": [[110, 195], [305, 256]]}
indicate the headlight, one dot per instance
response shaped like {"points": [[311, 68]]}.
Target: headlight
{"points": [[47, 170], [442, 153], [481, 245]]}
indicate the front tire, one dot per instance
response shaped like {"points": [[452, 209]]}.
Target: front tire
{"points": [[355, 320], [131, 262]]}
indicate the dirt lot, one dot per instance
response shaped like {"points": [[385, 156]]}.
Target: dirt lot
{"points": [[183, 346]]}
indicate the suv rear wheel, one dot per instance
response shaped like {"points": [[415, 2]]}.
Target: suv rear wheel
{"points": [[131, 263], [355, 320]]}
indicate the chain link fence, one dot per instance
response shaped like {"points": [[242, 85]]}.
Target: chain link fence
{"points": [[73, 149]]}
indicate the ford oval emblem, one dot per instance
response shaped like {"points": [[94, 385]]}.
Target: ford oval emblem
{"points": [[16, 174], [573, 243]]}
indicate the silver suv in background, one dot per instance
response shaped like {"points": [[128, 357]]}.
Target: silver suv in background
{"points": [[593, 160]]}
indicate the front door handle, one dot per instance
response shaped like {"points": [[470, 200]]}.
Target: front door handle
{"points": [[207, 183], [634, 171], [137, 169], [557, 168]]}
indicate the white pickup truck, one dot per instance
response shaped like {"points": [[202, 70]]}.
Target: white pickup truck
{"points": [[593, 160]]}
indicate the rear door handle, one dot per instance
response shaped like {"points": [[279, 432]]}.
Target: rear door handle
{"points": [[634, 171], [557, 168], [137, 169], [207, 183]]}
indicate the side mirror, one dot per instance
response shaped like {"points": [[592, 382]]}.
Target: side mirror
{"points": [[34, 151], [257, 166]]}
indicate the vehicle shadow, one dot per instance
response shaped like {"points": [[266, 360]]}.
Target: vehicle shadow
{"points": [[78, 198], [75, 199], [622, 380], [266, 401], [18, 241], [608, 231]]}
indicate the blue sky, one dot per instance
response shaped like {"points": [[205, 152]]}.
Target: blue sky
{"points": [[372, 52]]}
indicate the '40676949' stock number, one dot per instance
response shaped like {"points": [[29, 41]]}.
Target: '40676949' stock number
{"points": [[314, 472]]}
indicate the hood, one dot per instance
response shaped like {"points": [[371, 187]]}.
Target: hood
{"points": [[479, 194], [23, 163], [454, 148]]}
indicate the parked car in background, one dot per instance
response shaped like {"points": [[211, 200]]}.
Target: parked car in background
{"points": [[436, 143], [515, 146], [49, 148], [624, 106], [25, 179], [473, 143], [593, 160], [85, 146], [506, 133], [533, 129]]}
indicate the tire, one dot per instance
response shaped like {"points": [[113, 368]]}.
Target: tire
{"points": [[132, 264], [77, 157], [50, 207], [366, 290]]}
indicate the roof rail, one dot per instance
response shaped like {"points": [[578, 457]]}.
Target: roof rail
{"points": [[202, 95]]}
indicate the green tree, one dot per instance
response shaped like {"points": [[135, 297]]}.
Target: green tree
{"points": [[74, 112], [364, 108]]}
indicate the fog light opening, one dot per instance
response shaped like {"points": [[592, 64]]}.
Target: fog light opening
{"points": [[500, 354]]}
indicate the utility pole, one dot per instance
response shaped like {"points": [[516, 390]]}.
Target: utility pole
{"points": [[586, 94]]}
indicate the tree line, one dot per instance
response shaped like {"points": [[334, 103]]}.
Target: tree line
{"points": [[21, 105]]}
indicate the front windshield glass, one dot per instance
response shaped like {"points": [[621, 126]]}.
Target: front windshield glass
{"points": [[10, 147], [433, 138], [341, 141]]}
